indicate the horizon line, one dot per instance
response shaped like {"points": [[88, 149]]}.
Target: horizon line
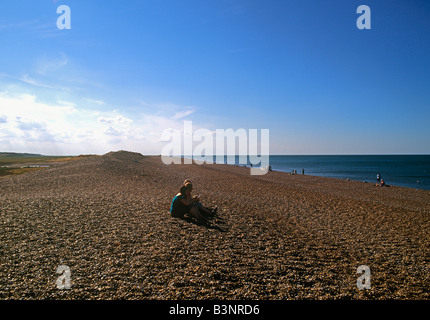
{"points": [[214, 155]]}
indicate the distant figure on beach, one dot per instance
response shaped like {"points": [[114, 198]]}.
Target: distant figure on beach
{"points": [[303, 171], [378, 178], [270, 168], [382, 184], [184, 203]]}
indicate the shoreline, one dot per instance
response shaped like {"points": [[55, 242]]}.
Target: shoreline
{"points": [[347, 179], [356, 167], [313, 175]]}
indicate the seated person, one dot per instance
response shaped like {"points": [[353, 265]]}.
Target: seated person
{"points": [[184, 203], [382, 184], [202, 209]]}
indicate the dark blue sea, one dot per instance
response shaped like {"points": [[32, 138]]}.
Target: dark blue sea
{"points": [[412, 171]]}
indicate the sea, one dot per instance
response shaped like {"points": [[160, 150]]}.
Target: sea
{"points": [[411, 171]]}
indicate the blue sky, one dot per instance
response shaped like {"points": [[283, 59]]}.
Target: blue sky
{"points": [[127, 71]]}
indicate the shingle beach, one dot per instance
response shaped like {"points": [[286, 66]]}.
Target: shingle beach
{"points": [[278, 236]]}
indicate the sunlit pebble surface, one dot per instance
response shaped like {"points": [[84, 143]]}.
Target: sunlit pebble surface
{"points": [[278, 236]]}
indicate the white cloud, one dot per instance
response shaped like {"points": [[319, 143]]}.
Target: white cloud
{"points": [[64, 127], [45, 65], [66, 103], [112, 132], [117, 120], [94, 101], [27, 79], [183, 114]]}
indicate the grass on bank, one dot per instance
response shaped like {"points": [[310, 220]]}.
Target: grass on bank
{"points": [[8, 159]]}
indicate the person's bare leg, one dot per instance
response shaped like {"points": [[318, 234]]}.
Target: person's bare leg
{"points": [[205, 210], [196, 213]]}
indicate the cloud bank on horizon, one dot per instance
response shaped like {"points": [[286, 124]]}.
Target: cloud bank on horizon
{"points": [[64, 128]]}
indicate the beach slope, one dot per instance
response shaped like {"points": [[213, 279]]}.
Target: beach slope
{"points": [[279, 236]]}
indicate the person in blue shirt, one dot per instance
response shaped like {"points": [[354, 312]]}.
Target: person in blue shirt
{"points": [[184, 203]]}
